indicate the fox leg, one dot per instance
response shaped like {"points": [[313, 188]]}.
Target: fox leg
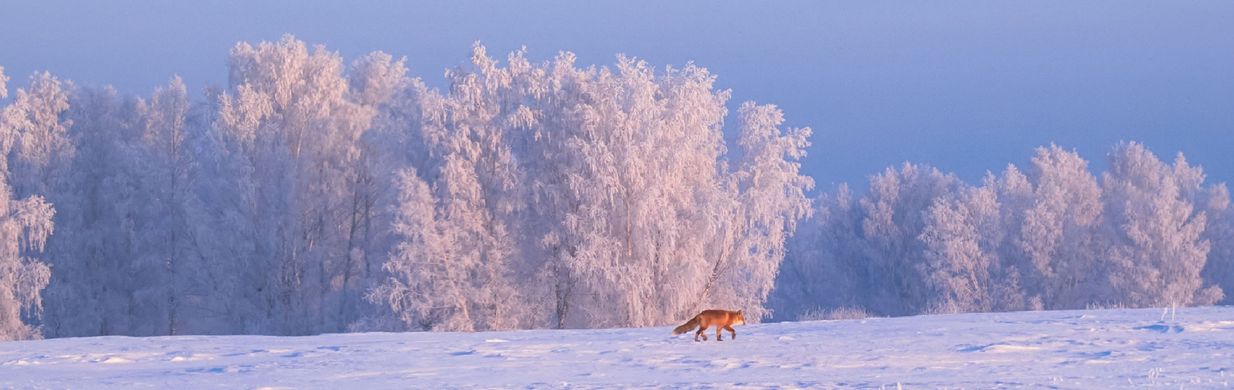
{"points": [[730, 330], [719, 333], [701, 329]]}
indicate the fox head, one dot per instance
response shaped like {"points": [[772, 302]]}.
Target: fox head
{"points": [[741, 318]]}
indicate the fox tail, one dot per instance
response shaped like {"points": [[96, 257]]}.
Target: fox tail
{"points": [[686, 327]]}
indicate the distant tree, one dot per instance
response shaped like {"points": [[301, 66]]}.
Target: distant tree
{"points": [[1150, 234], [871, 246], [894, 216], [1156, 249], [823, 260], [1057, 231], [961, 261], [1011, 278], [1219, 270]]}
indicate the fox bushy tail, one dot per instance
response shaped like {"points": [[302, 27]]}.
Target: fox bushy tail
{"points": [[686, 327]]}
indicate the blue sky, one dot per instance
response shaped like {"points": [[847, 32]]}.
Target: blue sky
{"points": [[967, 86]]}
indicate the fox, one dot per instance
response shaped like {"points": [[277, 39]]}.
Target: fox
{"points": [[721, 319]]}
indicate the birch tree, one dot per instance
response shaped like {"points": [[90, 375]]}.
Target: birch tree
{"points": [[25, 225]]}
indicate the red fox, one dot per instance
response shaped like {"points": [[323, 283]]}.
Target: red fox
{"points": [[722, 319]]}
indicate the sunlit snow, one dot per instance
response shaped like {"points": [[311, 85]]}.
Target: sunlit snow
{"points": [[1193, 348]]}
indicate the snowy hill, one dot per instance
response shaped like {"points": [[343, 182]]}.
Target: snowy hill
{"points": [[1064, 349]]}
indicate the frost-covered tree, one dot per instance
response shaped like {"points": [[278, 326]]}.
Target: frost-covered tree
{"points": [[821, 267], [36, 149], [468, 207], [228, 289], [645, 185], [1219, 270], [374, 81], [25, 225], [1156, 250], [602, 194], [561, 196], [894, 216], [1156, 244], [770, 200], [290, 121], [308, 196], [423, 291], [1019, 241], [1050, 238], [41, 148], [1055, 245], [186, 290], [870, 253], [100, 223], [961, 263], [1014, 193], [439, 279]]}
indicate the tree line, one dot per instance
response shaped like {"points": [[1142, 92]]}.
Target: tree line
{"points": [[315, 195], [311, 196], [1145, 233]]}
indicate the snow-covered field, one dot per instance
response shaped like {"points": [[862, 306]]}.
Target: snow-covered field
{"points": [[1063, 349]]}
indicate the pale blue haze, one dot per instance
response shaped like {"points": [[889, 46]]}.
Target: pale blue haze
{"points": [[968, 86]]}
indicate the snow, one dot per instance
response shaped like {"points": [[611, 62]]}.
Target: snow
{"points": [[1193, 348]]}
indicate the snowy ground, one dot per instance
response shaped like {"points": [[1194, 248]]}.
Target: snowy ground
{"points": [[1064, 349]]}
